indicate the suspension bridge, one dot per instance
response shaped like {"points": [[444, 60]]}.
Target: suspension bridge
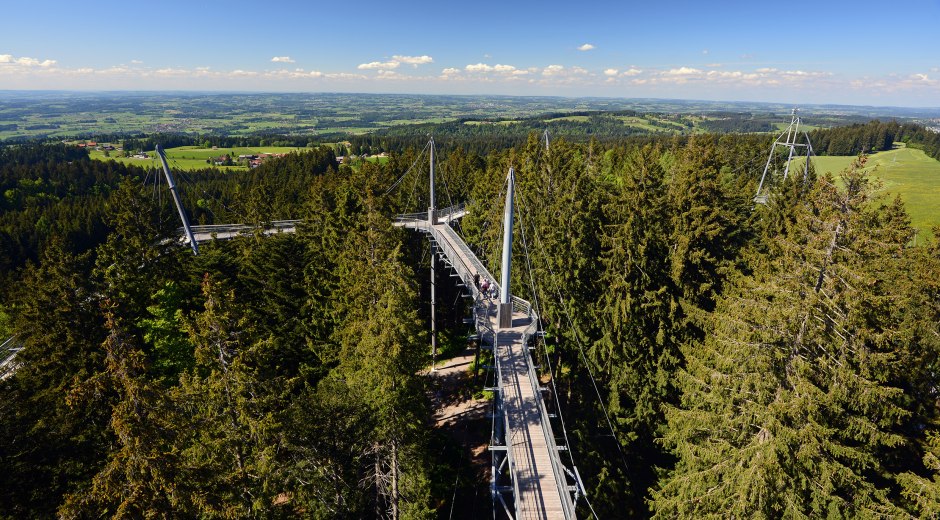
{"points": [[528, 479]]}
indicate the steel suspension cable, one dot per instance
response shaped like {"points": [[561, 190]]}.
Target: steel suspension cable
{"points": [[397, 182], [564, 307], [548, 360]]}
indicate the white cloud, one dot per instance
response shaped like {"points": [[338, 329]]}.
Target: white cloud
{"points": [[112, 70], [553, 70], [586, 47], [25, 62], [396, 62], [345, 76], [478, 67], [282, 59], [682, 71], [805, 74], [450, 70], [379, 65], [632, 72], [413, 60], [169, 71], [705, 51], [498, 68], [611, 72], [136, 62]]}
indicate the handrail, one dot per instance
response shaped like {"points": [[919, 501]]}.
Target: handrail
{"points": [[238, 227], [557, 469], [507, 439]]}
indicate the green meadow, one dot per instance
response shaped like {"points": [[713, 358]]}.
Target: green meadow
{"points": [[190, 158], [907, 172]]}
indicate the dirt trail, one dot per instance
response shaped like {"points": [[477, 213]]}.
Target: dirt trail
{"points": [[456, 411]]}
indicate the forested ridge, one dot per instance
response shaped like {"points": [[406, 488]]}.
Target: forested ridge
{"points": [[775, 360]]}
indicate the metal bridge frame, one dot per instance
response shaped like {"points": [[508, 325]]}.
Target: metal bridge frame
{"points": [[792, 134]]}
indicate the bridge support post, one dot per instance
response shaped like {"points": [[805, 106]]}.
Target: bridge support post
{"points": [[505, 299], [433, 308], [505, 315]]}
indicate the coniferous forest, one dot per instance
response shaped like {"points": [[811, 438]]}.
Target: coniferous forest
{"points": [[712, 357]]}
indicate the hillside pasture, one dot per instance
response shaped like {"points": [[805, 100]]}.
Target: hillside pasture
{"points": [[907, 172]]}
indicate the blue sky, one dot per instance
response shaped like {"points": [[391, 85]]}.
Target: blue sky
{"points": [[822, 52]]}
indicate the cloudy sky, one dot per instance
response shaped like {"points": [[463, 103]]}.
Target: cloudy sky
{"points": [[824, 52]]}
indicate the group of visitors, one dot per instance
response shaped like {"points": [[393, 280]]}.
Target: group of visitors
{"points": [[487, 288]]}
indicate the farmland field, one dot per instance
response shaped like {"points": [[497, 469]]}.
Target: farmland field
{"points": [[903, 171], [66, 115], [194, 157]]}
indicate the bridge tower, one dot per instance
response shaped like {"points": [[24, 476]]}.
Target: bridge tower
{"points": [[505, 299], [176, 199], [432, 219], [790, 143]]}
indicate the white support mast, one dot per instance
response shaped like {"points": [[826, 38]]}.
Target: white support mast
{"points": [[505, 299], [176, 199]]}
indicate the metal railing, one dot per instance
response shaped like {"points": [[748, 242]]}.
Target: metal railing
{"points": [[507, 440], [443, 216], [216, 228], [8, 351], [557, 469], [227, 231]]}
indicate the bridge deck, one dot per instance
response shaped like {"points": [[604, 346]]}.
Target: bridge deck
{"points": [[539, 494]]}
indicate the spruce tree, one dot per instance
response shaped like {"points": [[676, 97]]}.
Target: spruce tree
{"points": [[637, 354], [47, 445], [788, 406], [140, 478], [381, 353]]}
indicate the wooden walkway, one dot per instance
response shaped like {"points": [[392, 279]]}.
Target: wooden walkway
{"points": [[538, 491], [538, 482]]}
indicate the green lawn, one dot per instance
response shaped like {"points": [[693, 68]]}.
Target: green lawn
{"points": [[639, 122], [190, 158], [907, 172]]}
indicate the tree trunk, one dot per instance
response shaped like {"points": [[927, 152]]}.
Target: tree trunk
{"points": [[394, 480]]}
